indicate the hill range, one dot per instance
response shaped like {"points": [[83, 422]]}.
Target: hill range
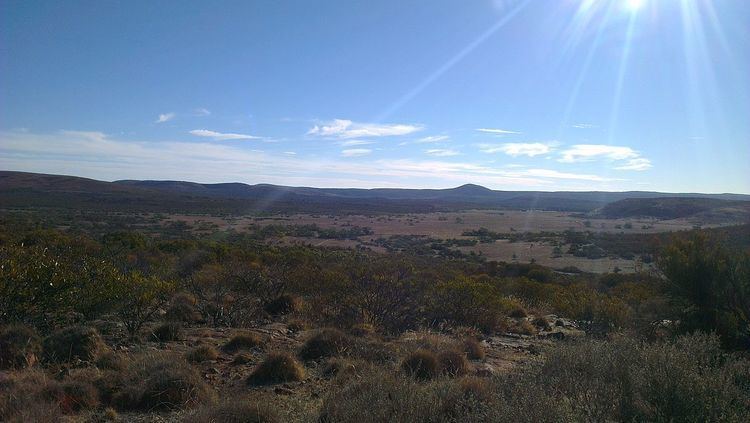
{"points": [[30, 190]]}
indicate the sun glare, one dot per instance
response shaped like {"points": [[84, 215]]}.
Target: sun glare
{"points": [[634, 5]]}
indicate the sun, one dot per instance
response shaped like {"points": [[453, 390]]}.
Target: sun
{"points": [[634, 5]]}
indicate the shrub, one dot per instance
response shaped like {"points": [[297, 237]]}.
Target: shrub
{"points": [[202, 353], [453, 363], [473, 349], [245, 341], [182, 309], [517, 312], [277, 368], [475, 388], [19, 347], [110, 361], [384, 397], [541, 323], [170, 331], [362, 329], [421, 365], [241, 359], [29, 395], [283, 304], [712, 287], [73, 343], [326, 343], [238, 411], [160, 382], [296, 325], [77, 396], [522, 327]]}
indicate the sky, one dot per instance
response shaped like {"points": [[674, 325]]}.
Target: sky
{"points": [[546, 95]]}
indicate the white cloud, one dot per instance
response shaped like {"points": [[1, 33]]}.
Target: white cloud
{"points": [[97, 155], [219, 136], [442, 152], [164, 117], [583, 126], [345, 129], [290, 153], [356, 152], [588, 152], [549, 173], [516, 149], [497, 131], [351, 143], [636, 164], [433, 138], [202, 112]]}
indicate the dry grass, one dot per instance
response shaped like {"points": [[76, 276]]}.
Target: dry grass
{"points": [[73, 343], [326, 343], [453, 363], [170, 331], [244, 341], [284, 304], [474, 349], [159, 382], [235, 411], [421, 365], [202, 353], [277, 368], [19, 347]]}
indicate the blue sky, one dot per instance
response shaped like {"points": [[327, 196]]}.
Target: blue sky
{"points": [[509, 94]]}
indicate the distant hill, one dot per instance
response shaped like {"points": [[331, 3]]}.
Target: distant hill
{"points": [[675, 207], [20, 189]]}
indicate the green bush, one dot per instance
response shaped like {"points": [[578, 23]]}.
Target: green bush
{"points": [[711, 286]]}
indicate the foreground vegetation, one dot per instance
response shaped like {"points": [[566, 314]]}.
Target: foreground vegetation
{"points": [[111, 326]]}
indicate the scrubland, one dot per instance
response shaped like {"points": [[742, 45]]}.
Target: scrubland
{"points": [[130, 326]]}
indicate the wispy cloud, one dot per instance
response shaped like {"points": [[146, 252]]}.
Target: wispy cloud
{"points": [[201, 112], [345, 129], [638, 164], [442, 152], [220, 136], [356, 152], [433, 138], [165, 117], [97, 155], [589, 152], [351, 143], [290, 153], [497, 131], [583, 125], [516, 149]]}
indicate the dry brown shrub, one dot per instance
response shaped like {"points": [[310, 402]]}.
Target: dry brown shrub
{"points": [[19, 347], [277, 368], [453, 363], [244, 341], [327, 342], [73, 343], [421, 365], [474, 349], [236, 411], [202, 353]]}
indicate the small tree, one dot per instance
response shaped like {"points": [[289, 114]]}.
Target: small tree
{"points": [[711, 286], [139, 298]]}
